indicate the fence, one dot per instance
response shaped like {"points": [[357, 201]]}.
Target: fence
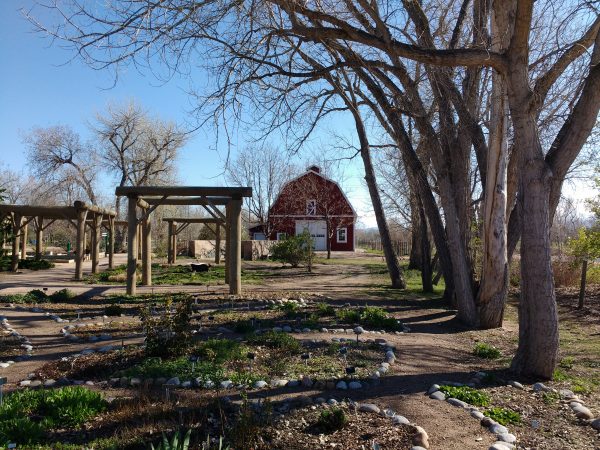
{"points": [[402, 248]]}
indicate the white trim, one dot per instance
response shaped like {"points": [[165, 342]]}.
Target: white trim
{"points": [[281, 234], [314, 208], [337, 235]]}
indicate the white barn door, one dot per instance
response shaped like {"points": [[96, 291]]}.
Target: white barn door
{"points": [[317, 229]]}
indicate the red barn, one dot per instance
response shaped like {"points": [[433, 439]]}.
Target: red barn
{"points": [[318, 204]]}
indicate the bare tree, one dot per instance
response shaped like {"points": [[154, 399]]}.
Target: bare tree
{"points": [[266, 170], [57, 156]]}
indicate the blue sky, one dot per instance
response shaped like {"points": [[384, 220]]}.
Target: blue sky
{"points": [[40, 86]]}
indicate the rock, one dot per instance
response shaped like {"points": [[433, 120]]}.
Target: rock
{"points": [[93, 338], [319, 400], [417, 447], [507, 437], [516, 384], [87, 351], [49, 383], [566, 393], [400, 420], [582, 412], [277, 329], [496, 428], [25, 383], [458, 403], [89, 383], [358, 330], [487, 422], [134, 382], [105, 337], [438, 395], [433, 388], [4, 365], [595, 424], [286, 329], [160, 381], [330, 385], [173, 382], [260, 384], [209, 384], [307, 381], [62, 381], [293, 383], [500, 446], [279, 383], [35, 384], [106, 349], [341, 385], [304, 400], [383, 369], [332, 402], [369, 407], [186, 384], [421, 439], [226, 384], [324, 330], [355, 385], [537, 387], [477, 414], [306, 330]]}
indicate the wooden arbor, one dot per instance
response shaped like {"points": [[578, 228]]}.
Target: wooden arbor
{"points": [[79, 215], [148, 198], [177, 225]]}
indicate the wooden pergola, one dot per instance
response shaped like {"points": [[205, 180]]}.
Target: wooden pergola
{"points": [[79, 215], [177, 225], [148, 198]]}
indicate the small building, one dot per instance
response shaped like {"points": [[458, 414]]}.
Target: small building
{"points": [[315, 203]]}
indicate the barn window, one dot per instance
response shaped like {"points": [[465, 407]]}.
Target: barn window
{"points": [[311, 207], [342, 235], [281, 236]]}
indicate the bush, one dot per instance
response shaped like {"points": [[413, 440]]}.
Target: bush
{"points": [[66, 407], [168, 334], [466, 394], [323, 310], [486, 351], [35, 265], [61, 296], [295, 250], [503, 416], [243, 326], [332, 420], [219, 350], [370, 316], [113, 310], [280, 340]]}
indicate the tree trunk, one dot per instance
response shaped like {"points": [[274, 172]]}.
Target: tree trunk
{"points": [[494, 275], [426, 269], [415, 261], [584, 265]]}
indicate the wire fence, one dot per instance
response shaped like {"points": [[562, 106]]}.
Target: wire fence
{"points": [[402, 248]]}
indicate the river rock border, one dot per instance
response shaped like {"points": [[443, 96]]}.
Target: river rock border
{"points": [[25, 343], [505, 439]]}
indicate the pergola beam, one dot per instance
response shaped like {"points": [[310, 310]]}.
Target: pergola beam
{"points": [[184, 191], [193, 220], [187, 201]]}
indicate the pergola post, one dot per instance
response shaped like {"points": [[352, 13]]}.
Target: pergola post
{"points": [[80, 245], [24, 241], [132, 245], [227, 242], [17, 219], [235, 247], [174, 243], [96, 228], [147, 252], [111, 242], [39, 235], [217, 243], [169, 242]]}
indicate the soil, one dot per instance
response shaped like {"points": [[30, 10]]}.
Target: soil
{"points": [[436, 349]]}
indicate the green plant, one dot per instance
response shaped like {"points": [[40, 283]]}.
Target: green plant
{"points": [[62, 295], [295, 250], [486, 351], [175, 443], [323, 309], [220, 445], [244, 378], [243, 326], [369, 316], [550, 397], [466, 394], [219, 350], [503, 416], [279, 340], [348, 315], [38, 295], [169, 334], [331, 420], [291, 309], [113, 310], [567, 362], [35, 265]]}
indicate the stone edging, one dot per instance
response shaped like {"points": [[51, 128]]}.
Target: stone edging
{"points": [[25, 343]]}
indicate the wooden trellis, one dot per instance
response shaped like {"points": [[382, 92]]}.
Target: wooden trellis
{"points": [[177, 225]]}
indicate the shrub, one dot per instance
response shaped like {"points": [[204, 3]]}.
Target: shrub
{"points": [[295, 250], [503, 416], [348, 315], [35, 265], [323, 309], [176, 443], [280, 340], [486, 351], [466, 394], [113, 310], [168, 334], [61, 296], [332, 420], [291, 309], [243, 326], [219, 350], [567, 362], [370, 316]]}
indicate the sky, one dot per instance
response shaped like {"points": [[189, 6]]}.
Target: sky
{"points": [[41, 86]]}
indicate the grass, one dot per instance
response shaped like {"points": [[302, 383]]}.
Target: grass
{"points": [[466, 394], [486, 351], [503, 416], [277, 340], [39, 296], [27, 415]]}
